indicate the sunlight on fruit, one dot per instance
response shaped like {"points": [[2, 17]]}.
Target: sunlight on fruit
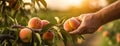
{"points": [[48, 23], [35, 23], [48, 35], [25, 35], [71, 24]]}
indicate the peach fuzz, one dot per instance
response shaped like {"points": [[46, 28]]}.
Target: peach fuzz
{"points": [[35, 23], [118, 37], [48, 35], [71, 24], [44, 23], [25, 34]]}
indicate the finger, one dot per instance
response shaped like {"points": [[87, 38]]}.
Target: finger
{"points": [[83, 32], [88, 31], [79, 30], [81, 16], [74, 32], [91, 30]]}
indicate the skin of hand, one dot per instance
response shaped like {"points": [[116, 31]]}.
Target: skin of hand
{"points": [[92, 21], [89, 24]]}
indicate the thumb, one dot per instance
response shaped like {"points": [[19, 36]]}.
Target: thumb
{"points": [[79, 30]]}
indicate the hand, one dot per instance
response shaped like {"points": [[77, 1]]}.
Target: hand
{"points": [[90, 23]]}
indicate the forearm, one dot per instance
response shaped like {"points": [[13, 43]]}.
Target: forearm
{"points": [[109, 13]]}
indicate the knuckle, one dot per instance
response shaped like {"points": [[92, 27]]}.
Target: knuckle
{"points": [[90, 31]]}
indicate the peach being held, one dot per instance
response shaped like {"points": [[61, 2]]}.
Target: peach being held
{"points": [[71, 24]]}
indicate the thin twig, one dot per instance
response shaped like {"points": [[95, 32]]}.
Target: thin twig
{"points": [[19, 26], [6, 36]]}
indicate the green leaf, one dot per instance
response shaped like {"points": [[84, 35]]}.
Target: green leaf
{"points": [[74, 39], [37, 1], [16, 22], [33, 1], [82, 37], [44, 3], [67, 37], [58, 31], [58, 42], [63, 19], [11, 18], [57, 19], [38, 37]]}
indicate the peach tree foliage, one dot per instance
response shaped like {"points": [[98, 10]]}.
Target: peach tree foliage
{"points": [[14, 16]]}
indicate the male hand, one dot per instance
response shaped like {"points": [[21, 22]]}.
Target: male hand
{"points": [[89, 24]]}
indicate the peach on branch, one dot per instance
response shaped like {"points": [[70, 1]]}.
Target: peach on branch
{"points": [[118, 37], [44, 22], [35, 23], [71, 24], [105, 34], [100, 29], [25, 34], [48, 35]]}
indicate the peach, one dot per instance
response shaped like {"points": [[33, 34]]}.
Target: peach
{"points": [[25, 34], [100, 29], [66, 26], [118, 37], [44, 23], [35, 23], [105, 33], [48, 35], [71, 24]]}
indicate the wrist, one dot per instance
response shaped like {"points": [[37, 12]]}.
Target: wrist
{"points": [[99, 18], [109, 13]]}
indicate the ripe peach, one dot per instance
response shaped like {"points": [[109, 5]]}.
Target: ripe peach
{"points": [[25, 34], [118, 37], [44, 22], [35, 23], [66, 26], [105, 33], [71, 24], [100, 29], [48, 35]]}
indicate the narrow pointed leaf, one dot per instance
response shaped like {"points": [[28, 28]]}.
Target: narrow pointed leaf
{"points": [[44, 3]]}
